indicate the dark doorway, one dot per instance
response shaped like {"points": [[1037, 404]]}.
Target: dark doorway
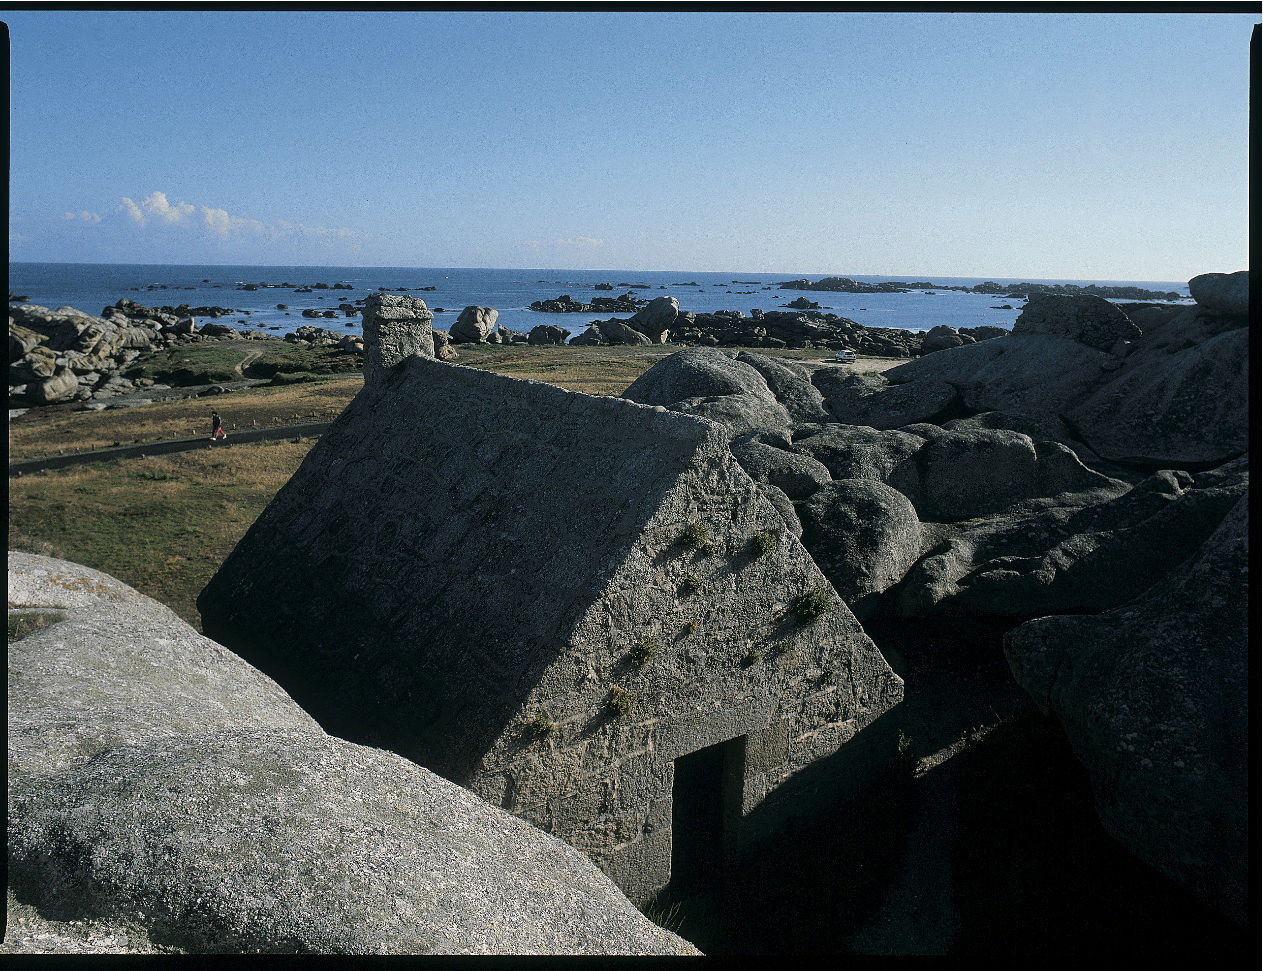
{"points": [[705, 805]]}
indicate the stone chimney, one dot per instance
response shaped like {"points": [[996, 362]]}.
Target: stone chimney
{"points": [[395, 327]]}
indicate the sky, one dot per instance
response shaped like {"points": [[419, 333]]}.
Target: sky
{"points": [[1048, 146]]}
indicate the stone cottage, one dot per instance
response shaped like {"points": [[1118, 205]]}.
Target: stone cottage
{"points": [[580, 608]]}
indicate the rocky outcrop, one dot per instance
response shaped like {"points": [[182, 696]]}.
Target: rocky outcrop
{"points": [[1075, 553], [565, 304], [1143, 402], [616, 331], [863, 534], [1224, 293], [474, 325], [1154, 698], [942, 337], [165, 796], [1090, 320], [395, 327], [547, 334], [656, 319], [870, 399], [569, 651], [443, 349]]}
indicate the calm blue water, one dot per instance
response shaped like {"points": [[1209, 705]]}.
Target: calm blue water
{"points": [[89, 287]]}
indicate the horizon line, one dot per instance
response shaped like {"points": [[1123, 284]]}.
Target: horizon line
{"points": [[524, 269]]}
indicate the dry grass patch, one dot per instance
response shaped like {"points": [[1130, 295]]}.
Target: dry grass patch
{"points": [[162, 524], [55, 431]]}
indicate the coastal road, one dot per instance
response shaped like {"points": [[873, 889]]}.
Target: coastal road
{"points": [[310, 430]]}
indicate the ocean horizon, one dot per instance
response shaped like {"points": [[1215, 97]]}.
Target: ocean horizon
{"points": [[90, 287]]}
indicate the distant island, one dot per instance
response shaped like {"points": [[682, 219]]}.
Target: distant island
{"points": [[842, 284]]}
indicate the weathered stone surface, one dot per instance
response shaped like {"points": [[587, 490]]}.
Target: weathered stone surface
{"points": [[869, 399], [70, 700], [1090, 320], [966, 474], [60, 387], [395, 327], [1185, 405], [443, 349], [616, 331], [942, 337], [727, 388], [656, 319], [1152, 406], [589, 338], [1225, 293], [547, 334], [1075, 553], [861, 452], [798, 476], [474, 325], [262, 841], [1154, 698], [862, 534], [165, 796], [790, 383], [493, 653]]}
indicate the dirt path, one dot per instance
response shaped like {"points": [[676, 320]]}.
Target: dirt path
{"points": [[312, 430]]}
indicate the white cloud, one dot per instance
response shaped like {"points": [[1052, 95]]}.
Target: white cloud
{"points": [[222, 224], [581, 242], [91, 218]]}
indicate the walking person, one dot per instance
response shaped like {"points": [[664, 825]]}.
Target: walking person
{"points": [[217, 428]]}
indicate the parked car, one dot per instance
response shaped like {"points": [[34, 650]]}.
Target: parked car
{"points": [[846, 357]]}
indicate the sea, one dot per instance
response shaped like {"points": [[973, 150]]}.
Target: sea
{"points": [[90, 287]]}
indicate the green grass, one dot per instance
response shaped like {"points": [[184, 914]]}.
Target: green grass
{"points": [[233, 360], [813, 605], [643, 653], [162, 524]]}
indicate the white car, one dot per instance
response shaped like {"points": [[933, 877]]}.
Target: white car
{"points": [[846, 357]]}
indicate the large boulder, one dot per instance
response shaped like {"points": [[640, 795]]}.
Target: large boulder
{"points": [[166, 796], [798, 476], [474, 325], [547, 334], [118, 668], [1088, 319], [589, 338], [1149, 403], [861, 452], [656, 319], [395, 327], [1074, 553], [60, 386], [1154, 697], [969, 473], [869, 399], [616, 331], [790, 383], [942, 337], [862, 534], [1225, 293]]}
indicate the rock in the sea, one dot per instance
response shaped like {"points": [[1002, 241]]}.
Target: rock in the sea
{"points": [[164, 796], [474, 325], [1225, 293], [1154, 697], [395, 327], [569, 652]]}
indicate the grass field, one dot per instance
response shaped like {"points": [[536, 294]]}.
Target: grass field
{"points": [[164, 524]]}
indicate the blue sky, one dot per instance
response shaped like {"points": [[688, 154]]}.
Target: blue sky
{"points": [[1039, 145]]}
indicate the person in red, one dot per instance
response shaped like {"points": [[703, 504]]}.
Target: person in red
{"points": [[217, 428]]}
